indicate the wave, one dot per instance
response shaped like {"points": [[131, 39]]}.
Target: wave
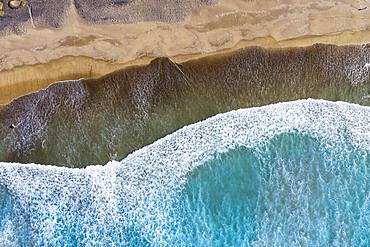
{"points": [[283, 174]]}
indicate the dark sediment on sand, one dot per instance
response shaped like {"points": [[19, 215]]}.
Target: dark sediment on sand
{"points": [[92, 121], [49, 13], [130, 11], [53, 13]]}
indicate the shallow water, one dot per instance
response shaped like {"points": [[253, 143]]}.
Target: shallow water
{"points": [[287, 174], [79, 123]]}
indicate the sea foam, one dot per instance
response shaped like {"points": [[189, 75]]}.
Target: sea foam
{"points": [[129, 201]]}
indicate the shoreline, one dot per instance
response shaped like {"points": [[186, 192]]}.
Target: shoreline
{"points": [[164, 96], [26, 79]]}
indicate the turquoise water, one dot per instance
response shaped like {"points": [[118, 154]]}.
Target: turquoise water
{"points": [[291, 192], [290, 174]]}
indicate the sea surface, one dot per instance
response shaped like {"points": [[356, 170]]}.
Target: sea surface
{"points": [[85, 122], [286, 174]]}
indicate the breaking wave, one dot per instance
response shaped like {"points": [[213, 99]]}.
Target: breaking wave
{"points": [[293, 173]]}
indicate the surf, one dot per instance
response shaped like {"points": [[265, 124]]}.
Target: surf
{"points": [[284, 174]]}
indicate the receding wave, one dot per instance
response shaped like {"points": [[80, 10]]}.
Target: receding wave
{"points": [[293, 173], [78, 123]]}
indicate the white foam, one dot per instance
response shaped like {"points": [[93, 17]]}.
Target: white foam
{"points": [[146, 180]]}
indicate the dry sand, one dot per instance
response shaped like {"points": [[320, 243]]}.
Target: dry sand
{"points": [[42, 56]]}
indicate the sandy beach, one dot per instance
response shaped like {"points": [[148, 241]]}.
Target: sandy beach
{"points": [[80, 49], [184, 123]]}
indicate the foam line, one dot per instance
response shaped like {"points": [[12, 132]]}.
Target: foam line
{"points": [[141, 185]]}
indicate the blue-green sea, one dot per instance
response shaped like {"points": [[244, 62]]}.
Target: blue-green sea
{"points": [[289, 174]]}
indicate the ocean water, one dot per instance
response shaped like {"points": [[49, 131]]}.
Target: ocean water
{"points": [[289, 174], [85, 122], [292, 192]]}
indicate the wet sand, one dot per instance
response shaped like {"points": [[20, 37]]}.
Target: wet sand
{"points": [[26, 79], [202, 28]]}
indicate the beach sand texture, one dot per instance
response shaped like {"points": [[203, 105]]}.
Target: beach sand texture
{"points": [[89, 39]]}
